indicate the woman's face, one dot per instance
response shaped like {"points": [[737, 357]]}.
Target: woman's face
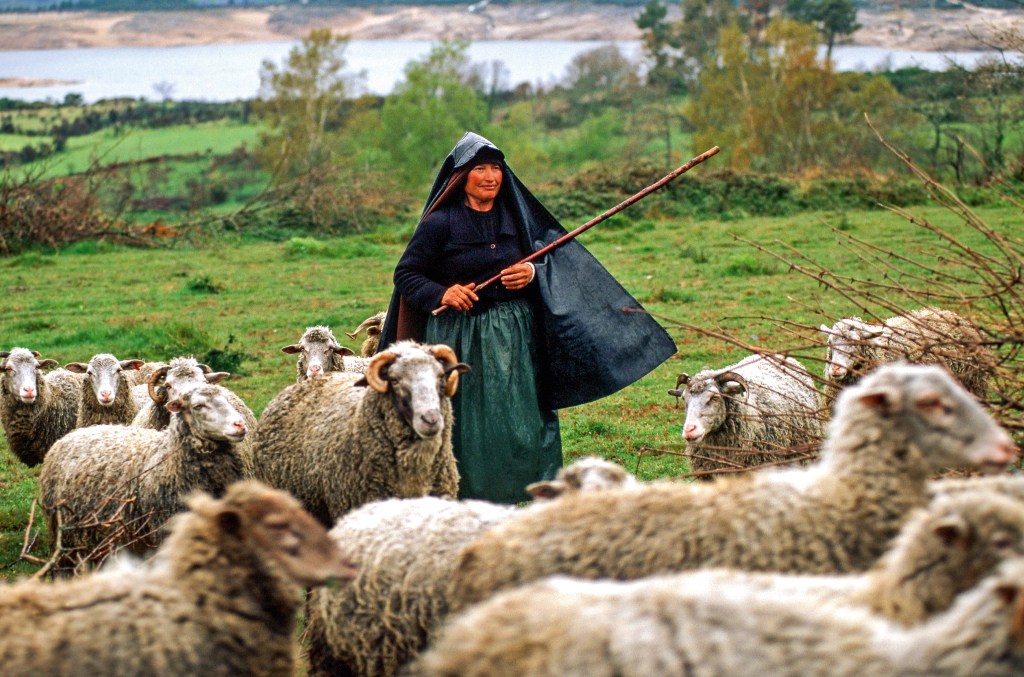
{"points": [[483, 183]]}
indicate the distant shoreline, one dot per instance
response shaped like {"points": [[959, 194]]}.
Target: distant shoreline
{"points": [[967, 29]]}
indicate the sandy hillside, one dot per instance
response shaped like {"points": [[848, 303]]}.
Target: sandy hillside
{"points": [[965, 29]]}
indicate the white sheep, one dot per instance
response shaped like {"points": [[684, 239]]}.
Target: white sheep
{"points": [[762, 409], [35, 410], [320, 353], [887, 435], [923, 336], [180, 370], [405, 550], [106, 396], [220, 597], [565, 627], [336, 442], [110, 486], [373, 326]]}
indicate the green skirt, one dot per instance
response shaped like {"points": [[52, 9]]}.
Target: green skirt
{"points": [[503, 440]]}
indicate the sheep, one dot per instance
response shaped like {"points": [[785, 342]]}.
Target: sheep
{"points": [[181, 372], [373, 326], [106, 395], [220, 597], [320, 353], [336, 444], [749, 413], [835, 516], [109, 486], [405, 551], [923, 336], [35, 410], [568, 627]]}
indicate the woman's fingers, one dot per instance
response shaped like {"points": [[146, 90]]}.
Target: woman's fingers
{"points": [[460, 297]]}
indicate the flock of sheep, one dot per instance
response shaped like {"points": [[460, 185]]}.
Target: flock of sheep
{"points": [[339, 501]]}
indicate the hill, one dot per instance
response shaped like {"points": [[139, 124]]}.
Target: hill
{"points": [[950, 29]]}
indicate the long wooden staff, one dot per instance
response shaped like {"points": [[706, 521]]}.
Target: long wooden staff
{"points": [[598, 219]]}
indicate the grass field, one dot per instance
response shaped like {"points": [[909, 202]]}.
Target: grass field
{"points": [[241, 302]]}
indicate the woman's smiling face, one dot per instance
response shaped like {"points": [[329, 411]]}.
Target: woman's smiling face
{"points": [[482, 185]]}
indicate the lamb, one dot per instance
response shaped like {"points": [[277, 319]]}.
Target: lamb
{"points": [[756, 411], [109, 486], [576, 628], [405, 550], [106, 395], [923, 336], [373, 326], [35, 410], [336, 444], [837, 515], [320, 353], [220, 597]]}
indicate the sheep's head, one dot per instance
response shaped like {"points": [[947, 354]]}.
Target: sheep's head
{"points": [[373, 326], [847, 339], [181, 371], [208, 412], [590, 473], [104, 374], [273, 527], [21, 372], [316, 350], [706, 406], [417, 377], [944, 426]]}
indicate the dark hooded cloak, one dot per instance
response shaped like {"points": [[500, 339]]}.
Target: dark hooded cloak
{"points": [[591, 348]]}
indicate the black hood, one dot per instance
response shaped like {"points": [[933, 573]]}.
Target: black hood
{"points": [[591, 348]]}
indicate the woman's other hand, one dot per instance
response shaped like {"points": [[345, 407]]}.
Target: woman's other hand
{"points": [[517, 276], [460, 296]]}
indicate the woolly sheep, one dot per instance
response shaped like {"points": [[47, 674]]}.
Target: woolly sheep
{"points": [[564, 627], [109, 486], [923, 336], [1011, 485], [887, 435], [405, 550], [35, 410], [180, 370], [320, 353], [335, 443], [220, 597], [756, 411], [373, 326], [106, 394], [940, 552]]}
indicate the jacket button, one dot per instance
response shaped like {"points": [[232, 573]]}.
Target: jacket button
{"points": [[493, 246]]}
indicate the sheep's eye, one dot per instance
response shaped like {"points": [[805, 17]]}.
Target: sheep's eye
{"points": [[199, 406]]}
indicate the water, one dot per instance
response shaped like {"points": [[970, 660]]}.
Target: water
{"points": [[231, 72]]}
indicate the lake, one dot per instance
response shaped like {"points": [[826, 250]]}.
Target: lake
{"points": [[230, 72]]}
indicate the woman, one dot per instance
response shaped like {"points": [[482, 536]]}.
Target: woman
{"points": [[549, 334]]}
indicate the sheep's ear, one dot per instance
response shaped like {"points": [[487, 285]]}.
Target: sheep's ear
{"points": [[292, 349], [676, 393], [48, 364], [342, 350], [215, 377], [552, 489], [952, 530], [870, 331], [77, 367], [733, 388], [228, 520], [825, 329], [885, 400], [132, 364]]}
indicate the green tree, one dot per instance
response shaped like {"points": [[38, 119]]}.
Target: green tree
{"points": [[303, 103], [659, 43], [833, 18], [598, 78], [779, 108], [430, 109]]}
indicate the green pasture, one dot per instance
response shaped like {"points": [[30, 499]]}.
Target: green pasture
{"points": [[236, 304]]}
